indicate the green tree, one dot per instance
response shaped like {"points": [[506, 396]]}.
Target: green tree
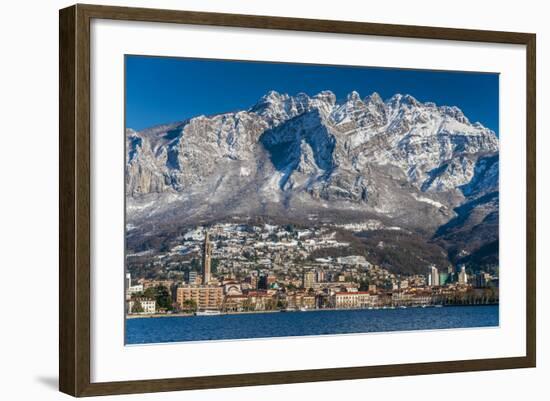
{"points": [[291, 287], [161, 295], [364, 285], [189, 305], [281, 304], [214, 265], [195, 264], [137, 307]]}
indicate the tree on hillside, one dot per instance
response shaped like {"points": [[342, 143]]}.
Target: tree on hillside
{"points": [[161, 295]]}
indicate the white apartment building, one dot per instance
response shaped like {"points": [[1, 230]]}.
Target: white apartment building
{"points": [[351, 300], [148, 305]]}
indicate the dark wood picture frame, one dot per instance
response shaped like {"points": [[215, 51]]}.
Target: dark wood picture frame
{"points": [[74, 199]]}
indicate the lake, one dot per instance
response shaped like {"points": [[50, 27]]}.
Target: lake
{"points": [[263, 325]]}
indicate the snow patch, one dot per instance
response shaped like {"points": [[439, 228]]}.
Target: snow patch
{"points": [[427, 200]]}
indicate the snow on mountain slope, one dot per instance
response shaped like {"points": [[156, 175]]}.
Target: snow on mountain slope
{"points": [[407, 161]]}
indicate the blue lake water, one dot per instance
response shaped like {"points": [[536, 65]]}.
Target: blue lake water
{"points": [[262, 325]]}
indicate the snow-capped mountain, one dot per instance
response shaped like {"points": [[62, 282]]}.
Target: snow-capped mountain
{"points": [[406, 163]]}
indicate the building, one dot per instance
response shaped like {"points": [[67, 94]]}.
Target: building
{"points": [[206, 259], [308, 279], [301, 300], [462, 276], [252, 280], [148, 305], [401, 298], [204, 296], [133, 290], [443, 278], [271, 280], [351, 300], [232, 288], [128, 281], [320, 276], [266, 281], [482, 280], [191, 276], [433, 277], [262, 282], [260, 300], [236, 303]]}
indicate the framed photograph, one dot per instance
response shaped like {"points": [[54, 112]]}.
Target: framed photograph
{"points": [[249, 200]]}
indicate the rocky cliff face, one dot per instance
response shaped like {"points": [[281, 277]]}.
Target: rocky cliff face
{"points": [[407, 163]]}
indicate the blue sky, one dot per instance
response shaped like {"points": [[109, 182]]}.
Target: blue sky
{"points": [[165, 89]]}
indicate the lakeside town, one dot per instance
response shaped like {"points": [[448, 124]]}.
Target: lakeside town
{"points": [[240, 268]]}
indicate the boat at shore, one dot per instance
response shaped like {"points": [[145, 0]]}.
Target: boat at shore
{"points": [[208, 312]]}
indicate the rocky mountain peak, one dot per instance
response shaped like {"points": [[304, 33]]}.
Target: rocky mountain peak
{"points": [[395, 100], [326, 96], [374, 99], [399, 101], [353, 97], [317, 148], [455, 113], [274, 97], [410, 100]]}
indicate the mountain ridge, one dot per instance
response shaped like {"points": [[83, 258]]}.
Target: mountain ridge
{"points": [[409, 163]]}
